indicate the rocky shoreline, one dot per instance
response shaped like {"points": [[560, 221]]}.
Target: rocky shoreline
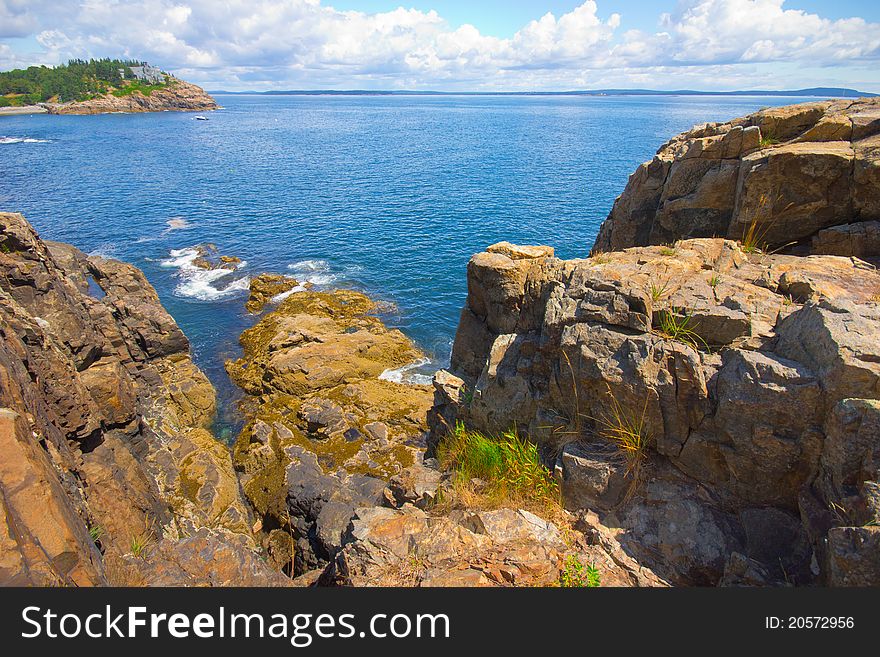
{"points": [[177, 96], [109, 475], [733, 341]]}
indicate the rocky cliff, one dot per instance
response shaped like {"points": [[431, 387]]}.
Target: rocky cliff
{"points": [[717, 404], [177, 96], [332, 459], [109, 472], [804, 178]]}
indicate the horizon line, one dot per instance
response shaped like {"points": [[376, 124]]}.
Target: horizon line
{"points": [[844, 92]]}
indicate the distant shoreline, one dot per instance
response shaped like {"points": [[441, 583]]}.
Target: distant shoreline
{"points": [[815, 92]]}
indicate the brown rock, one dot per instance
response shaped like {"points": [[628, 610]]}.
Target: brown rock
{"points": [[788, 171], [266, 286], [177, 96], [854, 556], [110, 411]]}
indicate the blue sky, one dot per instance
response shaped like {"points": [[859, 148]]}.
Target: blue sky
{"points": [[503, 18], [462, 45]]}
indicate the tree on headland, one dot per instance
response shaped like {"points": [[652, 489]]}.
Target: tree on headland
{"points": [[79, 79]]}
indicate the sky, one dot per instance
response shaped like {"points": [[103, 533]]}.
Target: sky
{"points": [[462, 45]]}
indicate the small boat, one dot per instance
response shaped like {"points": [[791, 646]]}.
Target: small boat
{"points": [[202, 118]]}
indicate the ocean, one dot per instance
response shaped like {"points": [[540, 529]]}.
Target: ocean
{"points": [[387, 194]]}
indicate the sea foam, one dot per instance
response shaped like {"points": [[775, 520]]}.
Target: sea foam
{"points": [[409, 374], [23, 140], [202, 284]]}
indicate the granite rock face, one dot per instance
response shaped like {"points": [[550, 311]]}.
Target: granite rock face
{"points": [[104, 419], [178, 96], [803, 177], [729, 318], [757, 401]]}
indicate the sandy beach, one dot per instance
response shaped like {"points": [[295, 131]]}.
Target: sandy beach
{"points": [[27, 109]]}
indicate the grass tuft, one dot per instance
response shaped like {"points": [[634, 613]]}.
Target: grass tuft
{"points": [[658, 290], [510, 465], [675, 324], [754, 239], [140, 543], [627, 431], [96, 532]]}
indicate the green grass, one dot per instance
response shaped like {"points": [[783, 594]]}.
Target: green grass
{"points": [[667, 251], [576, 574], [131, 87], [658, 290], [714, 280], [11, 101], [768, 141], [675, 324], [511, 466], [139, 544], [96, 532]]}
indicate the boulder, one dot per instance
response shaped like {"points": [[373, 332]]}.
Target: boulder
{"points": [[854, 556], [787, 175], [266, 287]]}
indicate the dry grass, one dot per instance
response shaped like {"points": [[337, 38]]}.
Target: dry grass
{"points": [[754, 239], [627, 431]]}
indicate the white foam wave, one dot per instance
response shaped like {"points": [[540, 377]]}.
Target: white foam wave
{"points": [[199, 283], [316, 272], [281, 296], [23, 140], [320, 273], [103, 251], [408, 373]]}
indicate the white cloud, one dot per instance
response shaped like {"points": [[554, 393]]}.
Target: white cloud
{"points": [[306, 43], [725, 31]]}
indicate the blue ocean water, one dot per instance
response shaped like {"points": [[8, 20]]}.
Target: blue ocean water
{"points": [[391, 195]]}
